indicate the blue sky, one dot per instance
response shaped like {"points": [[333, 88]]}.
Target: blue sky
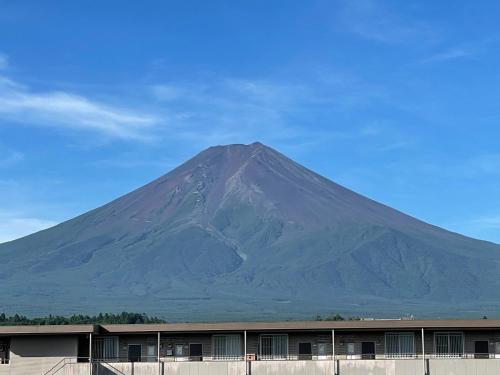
{"points": [[397, 100]]}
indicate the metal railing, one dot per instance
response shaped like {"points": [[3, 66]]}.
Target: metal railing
{"points": [[64, 362], [107, 365]]}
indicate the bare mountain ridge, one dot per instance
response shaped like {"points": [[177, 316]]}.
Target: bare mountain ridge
{"points": [[241, 231]]}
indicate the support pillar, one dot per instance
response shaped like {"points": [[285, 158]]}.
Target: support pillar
{"points": [[333, 352], [90, 354], [423, 353], [158, 354], [245, 351]]}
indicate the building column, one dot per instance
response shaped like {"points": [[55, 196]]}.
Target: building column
{"points": [[158, 354], [333, 352], [423, 353], [245, 351], [90, 354]]}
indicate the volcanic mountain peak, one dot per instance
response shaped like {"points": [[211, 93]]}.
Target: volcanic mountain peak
{"points": [[235, 232]]}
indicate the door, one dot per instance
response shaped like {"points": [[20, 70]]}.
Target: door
{"points": [[305, 350], [322, 351], [152, 353], [481, 349], [368, 350], [351, 350], [134, 353], [195, 352]]}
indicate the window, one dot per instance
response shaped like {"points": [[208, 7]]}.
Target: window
{"points": [[273, 346], [400, 345], [226, 347], [134, 353], [104, 348], [305, 350], [449, 344], [4, 351]]}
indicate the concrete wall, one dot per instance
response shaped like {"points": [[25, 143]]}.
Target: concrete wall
{"points": [[292, 367], [381, 367], [126, 368], [205, 368], [35, 355], [75, 369], [464, 367], [171, 368]]}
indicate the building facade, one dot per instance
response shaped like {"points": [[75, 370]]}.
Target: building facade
{"points": [[377, 347]]}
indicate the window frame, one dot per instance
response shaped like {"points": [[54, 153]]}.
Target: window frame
{"points": [[400, 355], [449, 355], [227, 357], [116, 344], [273, 357]]}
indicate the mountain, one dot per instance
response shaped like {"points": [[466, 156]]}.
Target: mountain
{"points": [[243, 232]]}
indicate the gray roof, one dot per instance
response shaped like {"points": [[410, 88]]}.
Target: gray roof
{"points": [[350, 325], [304, 326], [48, 329]]}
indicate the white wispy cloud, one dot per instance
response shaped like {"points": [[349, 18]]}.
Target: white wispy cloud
{"points": [[450, 54], [229, 110], [373, 20], [9, 157], [63, 109], [13, 227], [485, 164], [488, 222], [4, 61], [482, 226]]}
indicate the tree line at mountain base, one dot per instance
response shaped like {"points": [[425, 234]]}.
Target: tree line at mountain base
{"points": [[107, 318]]}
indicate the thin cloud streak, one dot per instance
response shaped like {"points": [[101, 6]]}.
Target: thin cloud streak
{"points": [[372, 20], [451, 54], [4, 61], [61, 109], [9, 157], [13, 227]]}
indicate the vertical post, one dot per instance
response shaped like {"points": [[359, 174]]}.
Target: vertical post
{"points": [[333, 352], [90, 354], [245, 351], [158, 354], [423, 353]]}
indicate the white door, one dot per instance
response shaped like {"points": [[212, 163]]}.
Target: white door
{"points": [[322, 351], [151, 353]]}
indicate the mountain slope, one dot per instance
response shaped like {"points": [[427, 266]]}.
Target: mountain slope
{"points": [[242, 232]]}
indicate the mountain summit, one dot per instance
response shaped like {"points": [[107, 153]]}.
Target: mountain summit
{"points": [[243, 232]]}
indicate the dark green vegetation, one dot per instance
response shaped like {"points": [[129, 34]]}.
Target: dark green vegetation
{"points": [[123, 318], [241, 232], [333, 318]]}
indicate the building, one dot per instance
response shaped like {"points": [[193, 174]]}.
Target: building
{"points": [[377, 347]]}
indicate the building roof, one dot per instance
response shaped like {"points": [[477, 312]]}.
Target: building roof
{"points": [[48, 329], [349, 325], [304, 326]]}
